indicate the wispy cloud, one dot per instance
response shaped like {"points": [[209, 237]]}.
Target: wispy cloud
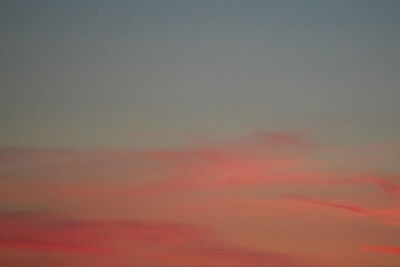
{"points": [[49, 233], [350, 208], [137, 203], [381, 215], [383, 249]]}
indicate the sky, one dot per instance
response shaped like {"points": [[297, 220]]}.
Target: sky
{"points": [[199, 133]]}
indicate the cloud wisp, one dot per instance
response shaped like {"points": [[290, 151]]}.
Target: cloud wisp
{"points": [[383, 249], [180, 242], [184, 206]]}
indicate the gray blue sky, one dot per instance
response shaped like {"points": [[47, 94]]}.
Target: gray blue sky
{"points": [[155, 73]]}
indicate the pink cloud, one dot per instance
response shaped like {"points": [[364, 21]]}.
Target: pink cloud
{"points": [[383, 249], [256, 161], [389, 187], [181, 242], [37, 231], [150, 185], [386, 216], [52, 246], [350, 208], [237, 256]]}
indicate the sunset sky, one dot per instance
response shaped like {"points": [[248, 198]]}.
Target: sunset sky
{"points": [[200, 133]]}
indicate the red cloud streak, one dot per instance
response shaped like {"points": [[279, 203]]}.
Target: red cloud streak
{"points": [[383, 249], [350, 208], [173, 243]]}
